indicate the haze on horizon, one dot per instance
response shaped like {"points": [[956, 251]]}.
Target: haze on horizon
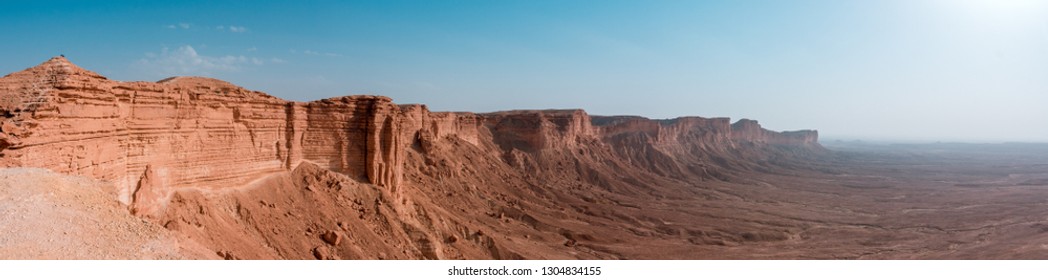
{"points": [[932, 70]]}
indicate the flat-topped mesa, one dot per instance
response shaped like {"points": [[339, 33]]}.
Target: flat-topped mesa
{"points": [[672, 147], [698, 130], [798, 137], [751, 131], [711, 129]]}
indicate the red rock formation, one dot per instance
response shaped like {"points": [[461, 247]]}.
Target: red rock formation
{"points": [[166, 143], [533, 131], [61, 117], [751, 131]]}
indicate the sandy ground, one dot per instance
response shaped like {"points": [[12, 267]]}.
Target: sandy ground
{"points": [[44, 215]]}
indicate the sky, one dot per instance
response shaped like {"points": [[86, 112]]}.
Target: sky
{"points": [[913, 70]]}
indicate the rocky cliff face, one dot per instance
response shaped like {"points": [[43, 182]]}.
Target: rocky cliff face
{"points": [[751, 131], [205, 133], [186, 131], [154, 140]]}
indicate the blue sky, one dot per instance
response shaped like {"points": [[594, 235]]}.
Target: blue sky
{"points": [[973, 70]]}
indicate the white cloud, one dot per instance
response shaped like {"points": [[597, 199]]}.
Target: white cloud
{"points": [[231, 28], [185, 60], [251, 49], [181, 25], [309, 52]]}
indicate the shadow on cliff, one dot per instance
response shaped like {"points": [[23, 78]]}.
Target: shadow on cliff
{"points": [[254, 176]]}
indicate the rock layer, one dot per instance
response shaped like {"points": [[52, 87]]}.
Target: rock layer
{"points": [[193, 132], [205, 133], [194, 154]]}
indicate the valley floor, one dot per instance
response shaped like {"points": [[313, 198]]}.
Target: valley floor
{"points": [[858, 201]]}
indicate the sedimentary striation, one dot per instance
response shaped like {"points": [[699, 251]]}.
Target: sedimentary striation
{"points": [[206, 133], [184, 134], [186, 131]]}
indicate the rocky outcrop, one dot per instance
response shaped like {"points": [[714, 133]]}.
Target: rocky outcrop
{"points": [[192, 132], [678, 148], [751, 131], [189, 131], [353, 135], [533, 131]]}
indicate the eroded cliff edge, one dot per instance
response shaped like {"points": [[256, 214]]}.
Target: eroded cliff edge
{"points": [[188, 131], [208, 133], [192, 133]]}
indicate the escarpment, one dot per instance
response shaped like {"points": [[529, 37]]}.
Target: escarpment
{"points": [[201, 132], [192, 132], [162, 143]]}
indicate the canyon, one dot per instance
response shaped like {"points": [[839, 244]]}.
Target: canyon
{"points": [[218, 171]]}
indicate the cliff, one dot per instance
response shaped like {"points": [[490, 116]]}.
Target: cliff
{"points": [[162, 144], [152, 139], [185, 131], [750, 130]]}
